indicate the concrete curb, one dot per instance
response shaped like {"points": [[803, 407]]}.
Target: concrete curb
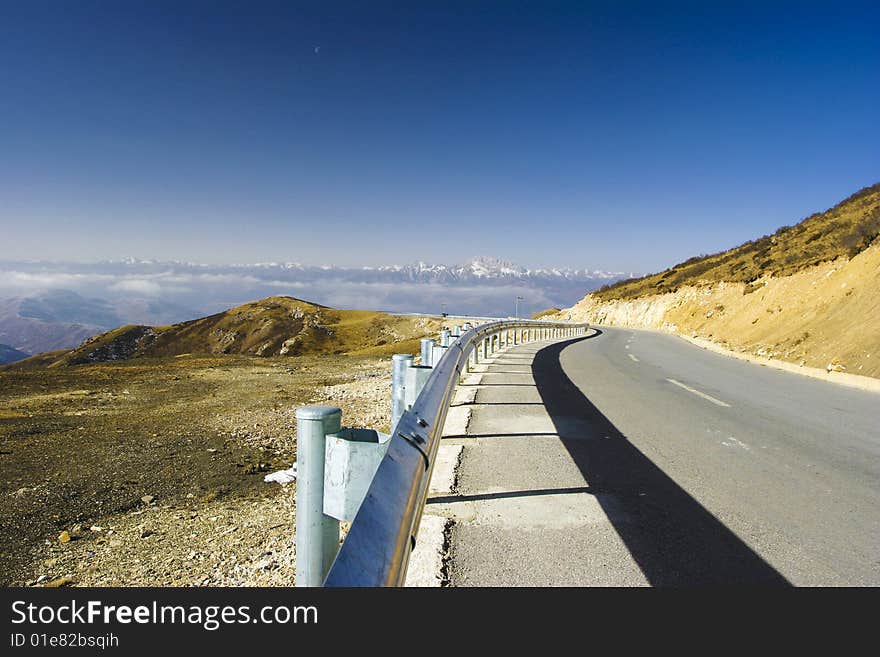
{"points": [[867, 383]]}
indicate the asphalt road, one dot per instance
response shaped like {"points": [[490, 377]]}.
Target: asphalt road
{"points": [[634, 457]]}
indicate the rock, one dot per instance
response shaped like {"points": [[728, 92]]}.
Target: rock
{"points": [[96, 528], [64, 537], [147, 499], [57, 583], [147, 533]]}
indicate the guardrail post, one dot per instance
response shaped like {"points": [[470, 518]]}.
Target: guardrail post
{"points": [[427, 351], [416, 378], [399, 363], [317, 535]]}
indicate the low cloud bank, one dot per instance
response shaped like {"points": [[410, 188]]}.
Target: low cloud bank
{"points": [[171, 292]]}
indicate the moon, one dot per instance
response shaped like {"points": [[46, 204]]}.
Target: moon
{"points": [[317, 49]]}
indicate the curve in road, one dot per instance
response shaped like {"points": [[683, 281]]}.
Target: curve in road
{"points": [[634, 457]]}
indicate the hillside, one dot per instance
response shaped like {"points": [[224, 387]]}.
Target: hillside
{"points": [[10, 355], [844, 231], [275, 326], [808, 294]]}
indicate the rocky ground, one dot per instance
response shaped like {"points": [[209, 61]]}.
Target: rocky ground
{"points": [[151, 473]]}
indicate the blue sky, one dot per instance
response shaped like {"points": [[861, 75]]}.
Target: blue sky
{"points": [[616, 135]]}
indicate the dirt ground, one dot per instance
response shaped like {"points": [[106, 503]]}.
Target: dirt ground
{"points": [[154, 468]]}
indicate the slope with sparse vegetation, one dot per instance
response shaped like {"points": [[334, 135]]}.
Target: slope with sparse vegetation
{"points": [[807, 294], [275, 326], [844, 231], [138, 458]]}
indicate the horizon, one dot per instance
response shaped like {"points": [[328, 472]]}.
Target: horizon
{"points": [[135, 260], [562, 135]]}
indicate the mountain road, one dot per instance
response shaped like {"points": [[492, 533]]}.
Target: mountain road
{"points": [[636, 458]]}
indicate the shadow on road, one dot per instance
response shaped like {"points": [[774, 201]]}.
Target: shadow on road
{"points": [[674, 540], [540, 492]]}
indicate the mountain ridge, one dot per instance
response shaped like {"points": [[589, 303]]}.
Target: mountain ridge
{"points": [[808, 294], [61, 304], [844, 230], [274, 326]]}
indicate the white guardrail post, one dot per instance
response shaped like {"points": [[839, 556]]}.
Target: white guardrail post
{"points": [[317, 535], [399, 363], [344, 474]]}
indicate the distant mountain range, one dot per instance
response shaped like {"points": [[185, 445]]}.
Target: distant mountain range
{"points": [[57, 319], [10, 355], [56, 305]]}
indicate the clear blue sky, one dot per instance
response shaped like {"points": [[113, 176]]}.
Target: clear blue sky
{"points": [[619, 135]]}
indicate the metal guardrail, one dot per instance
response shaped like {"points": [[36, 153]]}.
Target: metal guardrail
{"points": [[377, 548]]}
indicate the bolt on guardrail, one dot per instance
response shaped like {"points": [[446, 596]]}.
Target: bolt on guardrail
{"points": [[380, 481]]}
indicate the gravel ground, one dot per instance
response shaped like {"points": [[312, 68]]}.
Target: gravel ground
{"points": [[205, 519]]}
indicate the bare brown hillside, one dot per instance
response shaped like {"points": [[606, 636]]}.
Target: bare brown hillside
{"points": [[275, 326], [809, 294], [844, 231]]}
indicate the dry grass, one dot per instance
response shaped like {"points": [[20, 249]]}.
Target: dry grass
{"points": [[81, 445], [843, 231], [276, 326], [550, 312]]}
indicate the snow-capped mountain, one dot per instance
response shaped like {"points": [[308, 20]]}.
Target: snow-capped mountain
{"points": [[142, 291], [478, 269]]}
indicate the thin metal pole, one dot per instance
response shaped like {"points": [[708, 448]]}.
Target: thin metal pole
{"points": [[317, 535]]}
